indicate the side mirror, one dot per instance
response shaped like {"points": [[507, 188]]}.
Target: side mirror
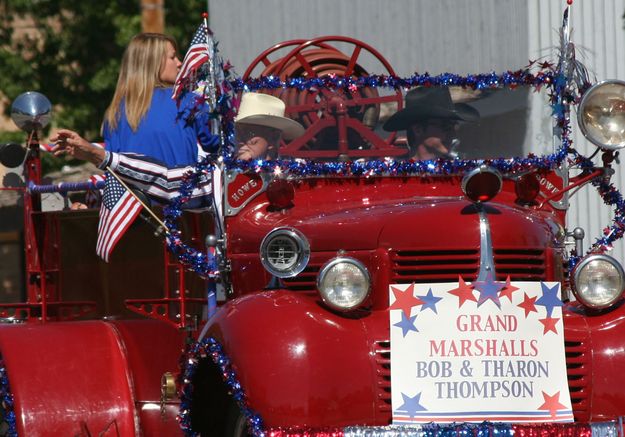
{"points": [[31, 111]]}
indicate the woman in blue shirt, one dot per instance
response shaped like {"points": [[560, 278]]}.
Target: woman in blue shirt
{"points": [[142, 117]]}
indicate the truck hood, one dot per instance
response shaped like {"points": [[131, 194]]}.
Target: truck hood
{"points": [[424, 223]]}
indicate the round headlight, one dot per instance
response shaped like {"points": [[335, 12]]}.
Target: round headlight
{"points": [[598, 281], [343, 283], [284, 252], [601, 114]]}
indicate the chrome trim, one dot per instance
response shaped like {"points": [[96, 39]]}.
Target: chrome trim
{"points": [[487, 259], [303, 249], [332, 263]]}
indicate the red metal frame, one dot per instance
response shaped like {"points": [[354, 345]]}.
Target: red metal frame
{"points": [[42, 245], [175, 303]]}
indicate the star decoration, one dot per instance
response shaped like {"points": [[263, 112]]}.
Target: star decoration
{"points": [[549, 324], [411, 405], [528, 305], [429, 301], [464, 292], [406, 324], [508, 290], [551, 404], [405, 300], [488, 289], [550, 298]]}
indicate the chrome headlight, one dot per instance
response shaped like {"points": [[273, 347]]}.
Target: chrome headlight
{"points": [[343, 283], [598, 281], [601, 114], [284, 252]]}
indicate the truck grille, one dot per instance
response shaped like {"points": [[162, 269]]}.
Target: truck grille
{"points": [[424, 266], [382, 350], [578, 373], [306, 280]]}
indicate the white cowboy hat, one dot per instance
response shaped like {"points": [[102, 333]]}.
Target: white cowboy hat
{"points": [[265, 110]]}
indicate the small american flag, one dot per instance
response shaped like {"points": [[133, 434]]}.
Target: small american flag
{"points": [[195, 57], [118, 210]]}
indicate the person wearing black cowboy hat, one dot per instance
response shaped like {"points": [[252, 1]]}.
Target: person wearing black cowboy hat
{"points": [[430, 119]]}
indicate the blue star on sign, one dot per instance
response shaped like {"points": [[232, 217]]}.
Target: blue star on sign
{"points": [[489, 289], [406, 324], [550, 298], [411, 405], [429, 301]]}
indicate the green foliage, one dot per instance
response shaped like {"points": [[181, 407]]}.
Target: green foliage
{"points": [[18, 137], [70, 51]]}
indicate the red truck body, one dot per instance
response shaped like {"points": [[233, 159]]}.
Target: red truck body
{"points": [[279, 357]]}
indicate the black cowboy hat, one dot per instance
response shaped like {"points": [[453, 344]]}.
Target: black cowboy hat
{"points": [[429, 102]]}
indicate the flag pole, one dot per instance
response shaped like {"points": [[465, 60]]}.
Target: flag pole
{"points": [[158, 220]]}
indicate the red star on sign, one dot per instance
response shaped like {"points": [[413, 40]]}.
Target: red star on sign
{"points": [[405, 300], [508, 290], [528, 305], [464, 292], [549, 324], [552, 404]]}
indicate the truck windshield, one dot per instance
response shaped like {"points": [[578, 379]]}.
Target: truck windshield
{"points": [[437, 122]]}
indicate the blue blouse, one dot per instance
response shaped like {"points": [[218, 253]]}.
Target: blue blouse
{"points": [[166, 132]]}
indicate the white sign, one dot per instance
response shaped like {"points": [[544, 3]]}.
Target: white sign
{"points": [[464, 352]]}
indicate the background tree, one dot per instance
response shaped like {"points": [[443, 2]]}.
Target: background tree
{"points": [[70, 50]]}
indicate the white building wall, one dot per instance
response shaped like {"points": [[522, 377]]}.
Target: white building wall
{"points": [[462, 36], [599, 35]]}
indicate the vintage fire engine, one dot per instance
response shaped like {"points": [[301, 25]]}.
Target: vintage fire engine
{"points": [[341, 248]]}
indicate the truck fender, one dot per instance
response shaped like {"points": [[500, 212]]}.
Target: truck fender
{"points": [[296, 361], [94, 377]]}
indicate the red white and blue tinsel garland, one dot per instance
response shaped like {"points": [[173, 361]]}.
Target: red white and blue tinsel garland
{"points": [[560, 96], [209, 348], [6, 398]]}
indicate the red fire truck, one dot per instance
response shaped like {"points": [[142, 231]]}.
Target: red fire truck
{"points": [[330, 258]]}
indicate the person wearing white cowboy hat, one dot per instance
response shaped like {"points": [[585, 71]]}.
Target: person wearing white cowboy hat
{"points": [[259, 125], [430, 119]]}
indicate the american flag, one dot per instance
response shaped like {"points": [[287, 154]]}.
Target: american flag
{"points": [[195, 57], [118, 210]]}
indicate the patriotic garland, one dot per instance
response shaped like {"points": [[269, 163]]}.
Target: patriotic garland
{"points": [[6, 398], [560, 97]]}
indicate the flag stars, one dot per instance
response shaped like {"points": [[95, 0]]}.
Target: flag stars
{"points": [[405, 300], [528, 305], [489, 290], [507, 290], [549, 299], [549, 324], [464, 292], [551, 404], [406, 324], [411, 405], [429, 301]]}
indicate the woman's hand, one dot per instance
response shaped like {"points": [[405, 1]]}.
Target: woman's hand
{"points": [[70, 143]]}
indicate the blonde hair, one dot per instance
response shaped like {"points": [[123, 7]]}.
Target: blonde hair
{"points": [[138, 76]]}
